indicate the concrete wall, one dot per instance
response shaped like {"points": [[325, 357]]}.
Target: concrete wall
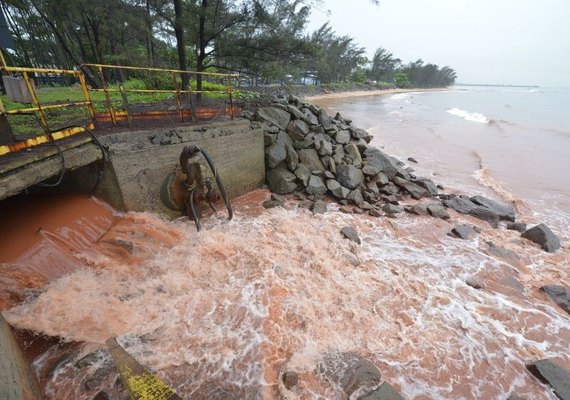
{"points": [[17, 379], [140, 161]]}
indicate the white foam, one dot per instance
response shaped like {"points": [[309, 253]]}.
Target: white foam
{"points": [[469, 116]]}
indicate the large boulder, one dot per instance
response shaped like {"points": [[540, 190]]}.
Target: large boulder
{"points": [[556, 376], [349, 176], [350, 371], [337, 190], [281, 181], [274, 116], [310, 159], [382, 161], [505, 212], [325, 120], [303, 173], [466, 206], [437, 211], [342, 137], [560, 295], [298, 129], [316, 185], [463, 232], [542, 235], [427, 184], [353, 154], [416, 191], [292, 158], [275, 154]]}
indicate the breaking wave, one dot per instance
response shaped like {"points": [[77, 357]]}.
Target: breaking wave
{"points": [[469, 116]]}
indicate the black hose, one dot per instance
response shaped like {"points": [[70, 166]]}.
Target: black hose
{"points": [[193, 211], [61, 174], [219, 182], [103, 152]]}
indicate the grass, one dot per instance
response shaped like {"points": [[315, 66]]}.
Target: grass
{"points": [[28, 125]]}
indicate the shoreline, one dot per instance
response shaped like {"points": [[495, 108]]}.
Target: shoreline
{"points": [[379, 92]]}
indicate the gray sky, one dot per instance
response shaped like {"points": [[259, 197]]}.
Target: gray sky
{"points": [[485, 41]]}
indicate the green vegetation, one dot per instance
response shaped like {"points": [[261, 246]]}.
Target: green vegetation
{"points": [[401, 79]]}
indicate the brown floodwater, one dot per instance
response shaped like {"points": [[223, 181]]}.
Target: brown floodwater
{"points": [[223, 313]]}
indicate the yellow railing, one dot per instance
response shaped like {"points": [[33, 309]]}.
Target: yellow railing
{"points": [[39, 109], [112, 114], [178, 91]]}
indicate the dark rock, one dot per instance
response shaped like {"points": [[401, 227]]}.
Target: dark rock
{"points": [[356, 197], [384, 392], [275, 154], [324, 147], [320, 207], [269, 139], [501, 252], [427, 185], [124, 244], [311, 160], [290, 379], [370, 170], [316, 185], [281, 181], [392, 199], [416, 191], [505, 212], [375, 213], [358, 133], [295, 112], [382, 161], [463, 232], [543, 236], [389, 189], [357, 210], [466, 206], [325, 120], [337, 189], [351, 151], [556, 376], [474, 284], [299, 195], [292, 158], [411, 159], [349, 176], [303, 173], [419, 209], [515, 397], [516, 226], [310, 117], [350, 371], [350, 233], [366, 205], [275, 116], [298, 129], [437, 211], [392, 209], [560, 295], [342, 137], [271, 204]]}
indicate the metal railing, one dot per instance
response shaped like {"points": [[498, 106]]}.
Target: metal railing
{"points": [[183, 105], [102, 70]]}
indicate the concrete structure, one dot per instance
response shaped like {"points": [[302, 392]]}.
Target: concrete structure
{"points": [[17, 378], [138, 163]]}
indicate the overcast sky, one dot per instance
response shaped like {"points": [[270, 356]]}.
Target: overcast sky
{"points": [[485, 41]]}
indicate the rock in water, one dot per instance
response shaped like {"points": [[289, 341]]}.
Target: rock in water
{"points": [[320, 207], [384, 392], [466, 206], [505, 212], [463, 232], [516, 226], [350, 371], [290, 379], [559, 378], [416, 191], [543, 236], [351, 234], [382, 161], [560, 295], [437, 211]]}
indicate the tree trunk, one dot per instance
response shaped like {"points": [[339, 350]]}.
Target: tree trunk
{"points": [[179, 32], [202, 46]]}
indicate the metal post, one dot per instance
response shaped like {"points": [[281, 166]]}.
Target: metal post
{"points": [[107, 96], [178, 101], [126, 103], [81, 78], [191, 101], [36, 101], [231, 97]]}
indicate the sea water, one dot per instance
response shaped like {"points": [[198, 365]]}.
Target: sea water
{"points": [[223, 313]]}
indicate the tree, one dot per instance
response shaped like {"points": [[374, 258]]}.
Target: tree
{"points": [[401, 79]]}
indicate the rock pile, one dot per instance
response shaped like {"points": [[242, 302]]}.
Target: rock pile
{"points": [[311, 154]]}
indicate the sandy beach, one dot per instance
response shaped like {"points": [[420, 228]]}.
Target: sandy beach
{"points": [[362, 93]]}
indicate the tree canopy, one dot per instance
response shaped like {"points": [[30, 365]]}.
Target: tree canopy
{"points": [[264, 39]]}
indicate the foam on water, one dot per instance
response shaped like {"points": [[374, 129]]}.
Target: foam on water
{"points": [[222, 313], [469, 116]]}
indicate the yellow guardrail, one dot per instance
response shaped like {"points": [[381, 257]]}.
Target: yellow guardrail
{"points": [[177, 91], [39, 109]]}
